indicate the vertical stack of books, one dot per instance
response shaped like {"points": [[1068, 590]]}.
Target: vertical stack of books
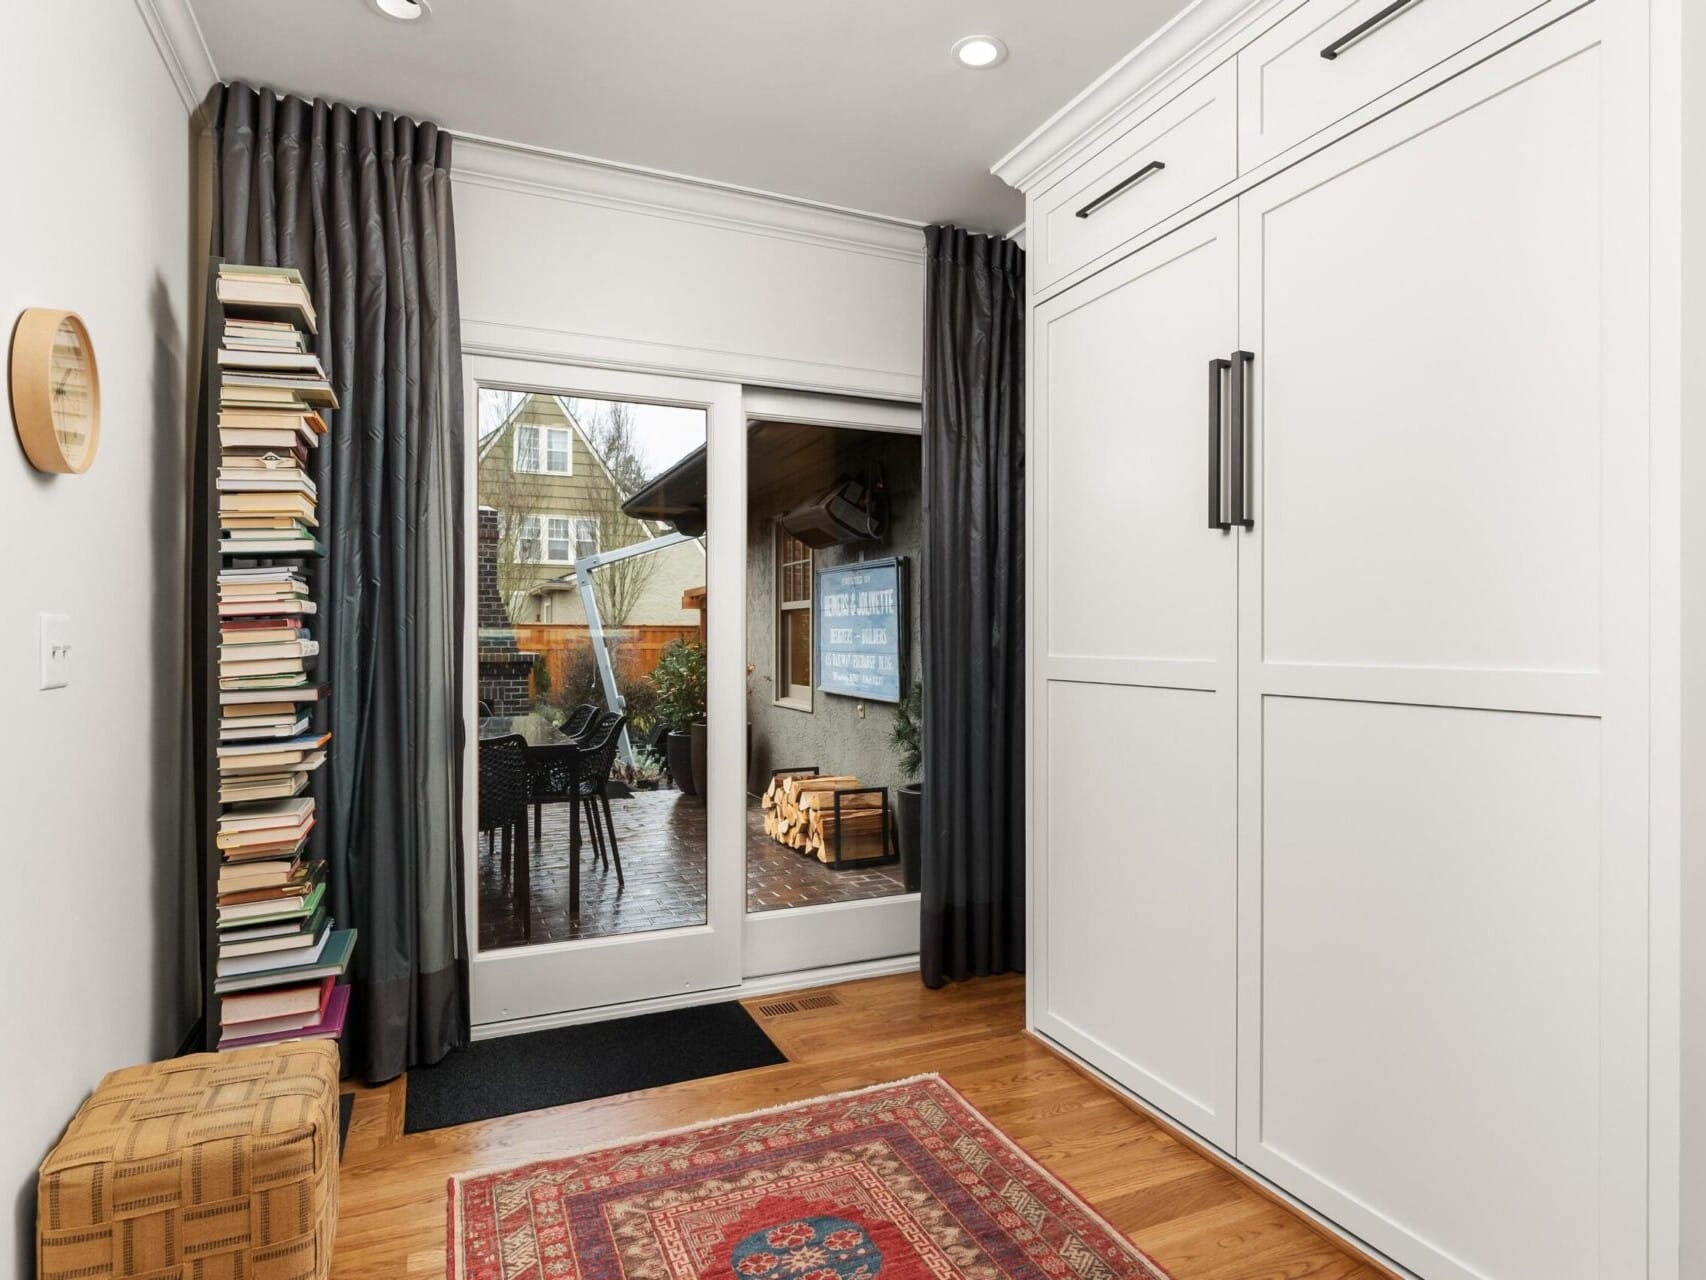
{"points": [[278, 957]]}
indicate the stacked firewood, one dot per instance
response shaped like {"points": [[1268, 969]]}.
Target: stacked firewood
{"points": [[799, 811]]}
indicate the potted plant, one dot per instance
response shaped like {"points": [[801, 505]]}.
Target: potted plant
{"points": [[906, 736], [679, 679]]}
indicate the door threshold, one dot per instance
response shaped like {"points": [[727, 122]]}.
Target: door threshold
{"points": [[769, 984]]}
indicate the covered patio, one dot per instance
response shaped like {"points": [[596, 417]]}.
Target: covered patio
{"points": [[662, 838]]}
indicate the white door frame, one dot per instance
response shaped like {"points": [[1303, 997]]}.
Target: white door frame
{"points": [[557, 980]]}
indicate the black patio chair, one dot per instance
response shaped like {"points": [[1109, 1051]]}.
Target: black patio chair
{"points": [[504, 793], [580, 720], [551, 779], [594, 762], [556, 770]]}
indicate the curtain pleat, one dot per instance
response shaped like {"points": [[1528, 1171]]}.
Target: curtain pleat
{"points": [[973, 870], [359, 202]]}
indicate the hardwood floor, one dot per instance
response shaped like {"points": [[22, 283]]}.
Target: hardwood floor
{"points": [[1190, 1215]]}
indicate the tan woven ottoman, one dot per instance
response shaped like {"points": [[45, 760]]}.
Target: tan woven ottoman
{"points": [[220, 1166]]}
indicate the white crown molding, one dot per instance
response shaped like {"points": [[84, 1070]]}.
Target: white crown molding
{"points": [[560, 175], [1197, 32], [178, 39]]}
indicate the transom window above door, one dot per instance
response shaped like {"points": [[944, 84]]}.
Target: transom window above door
{"points": [[544, 450]]}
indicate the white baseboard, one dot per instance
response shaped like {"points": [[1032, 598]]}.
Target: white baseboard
{"points": [[770, 984]]}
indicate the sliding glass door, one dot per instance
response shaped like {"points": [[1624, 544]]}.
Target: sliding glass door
{"points": [[834, 527], [604, 658]]}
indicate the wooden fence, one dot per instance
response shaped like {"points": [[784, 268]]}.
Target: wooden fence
{"points": [[634, 651]]}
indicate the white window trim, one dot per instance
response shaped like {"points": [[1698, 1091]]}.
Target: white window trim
{"points": [[543, 435], [543, 521], [789, 695], [580, 522], [548, 526], [521, 540]]}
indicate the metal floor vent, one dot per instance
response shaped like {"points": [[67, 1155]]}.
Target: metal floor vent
{"points": [[799, 1004]]}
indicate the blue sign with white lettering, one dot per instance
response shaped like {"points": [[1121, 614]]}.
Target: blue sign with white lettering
{"points": [[860, 624]]}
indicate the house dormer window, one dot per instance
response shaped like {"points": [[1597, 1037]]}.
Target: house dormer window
{"points": [[544, 451]]}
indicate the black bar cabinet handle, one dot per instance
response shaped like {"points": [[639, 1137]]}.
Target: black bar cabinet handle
{"points": [[1148, 171], [1357, 32], [1216, 425], [1239, 448]]}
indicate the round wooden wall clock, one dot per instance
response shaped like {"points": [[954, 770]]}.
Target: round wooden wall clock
{"points": [[56, 391]]}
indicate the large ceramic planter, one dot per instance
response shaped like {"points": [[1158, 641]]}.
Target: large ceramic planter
{"points": [[698, 758], [679, 747], [909, 826]]}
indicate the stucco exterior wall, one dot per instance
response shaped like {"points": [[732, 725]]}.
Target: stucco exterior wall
{"points": [[833, 735]]}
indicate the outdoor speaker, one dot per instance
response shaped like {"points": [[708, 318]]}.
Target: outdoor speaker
{"points": [[848, 511]]}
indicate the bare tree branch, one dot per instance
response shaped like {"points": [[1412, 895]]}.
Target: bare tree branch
{"points": [[621, 585]]}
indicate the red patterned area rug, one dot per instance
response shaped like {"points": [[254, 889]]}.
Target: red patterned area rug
{"points": [[904, 1181]]}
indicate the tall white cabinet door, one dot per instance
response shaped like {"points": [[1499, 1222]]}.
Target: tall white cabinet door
{"points": [[1442, 673], [1134, 715]]}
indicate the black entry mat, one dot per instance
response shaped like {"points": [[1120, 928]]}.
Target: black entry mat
{"points": [[511, 1074]]}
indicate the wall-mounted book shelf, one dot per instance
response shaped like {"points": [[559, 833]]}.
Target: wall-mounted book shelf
{"points": [[272, 955]]}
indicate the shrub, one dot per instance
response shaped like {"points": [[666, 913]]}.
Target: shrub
{"points": [[679, 679], [640, 704], [580, 683]]}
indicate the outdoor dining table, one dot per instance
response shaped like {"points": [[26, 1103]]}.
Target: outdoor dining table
{"points": [[540, 732]]}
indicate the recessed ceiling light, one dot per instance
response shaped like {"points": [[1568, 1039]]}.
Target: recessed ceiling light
{"points": [[402, 10], [980, 53]]}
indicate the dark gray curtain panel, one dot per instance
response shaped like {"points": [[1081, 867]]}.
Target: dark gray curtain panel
{"points": [[359, 202], [973, 871]]}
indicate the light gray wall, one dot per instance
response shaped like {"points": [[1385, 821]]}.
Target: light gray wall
{"points": [[96, 947], [575, 261], [832, 735]]}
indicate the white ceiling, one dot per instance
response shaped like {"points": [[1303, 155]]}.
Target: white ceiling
{"points": [[851, 104]]}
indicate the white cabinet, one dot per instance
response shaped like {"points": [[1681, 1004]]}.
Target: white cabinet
{"points": [[1437, 777], [1329, 57], [1137, 715], [1175, 154]]}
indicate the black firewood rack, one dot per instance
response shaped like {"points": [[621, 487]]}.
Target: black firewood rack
{"points": [[891, 854]]}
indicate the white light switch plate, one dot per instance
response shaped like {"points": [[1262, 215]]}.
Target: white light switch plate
{"points": [[55, 650]]}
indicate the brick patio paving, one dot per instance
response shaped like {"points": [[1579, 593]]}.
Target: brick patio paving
{"points": [[662, 837]]}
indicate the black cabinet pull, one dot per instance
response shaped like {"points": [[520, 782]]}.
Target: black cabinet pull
{"points": [[1236, 482], [1357, 32], [1148, 171], [1216, 426]]}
